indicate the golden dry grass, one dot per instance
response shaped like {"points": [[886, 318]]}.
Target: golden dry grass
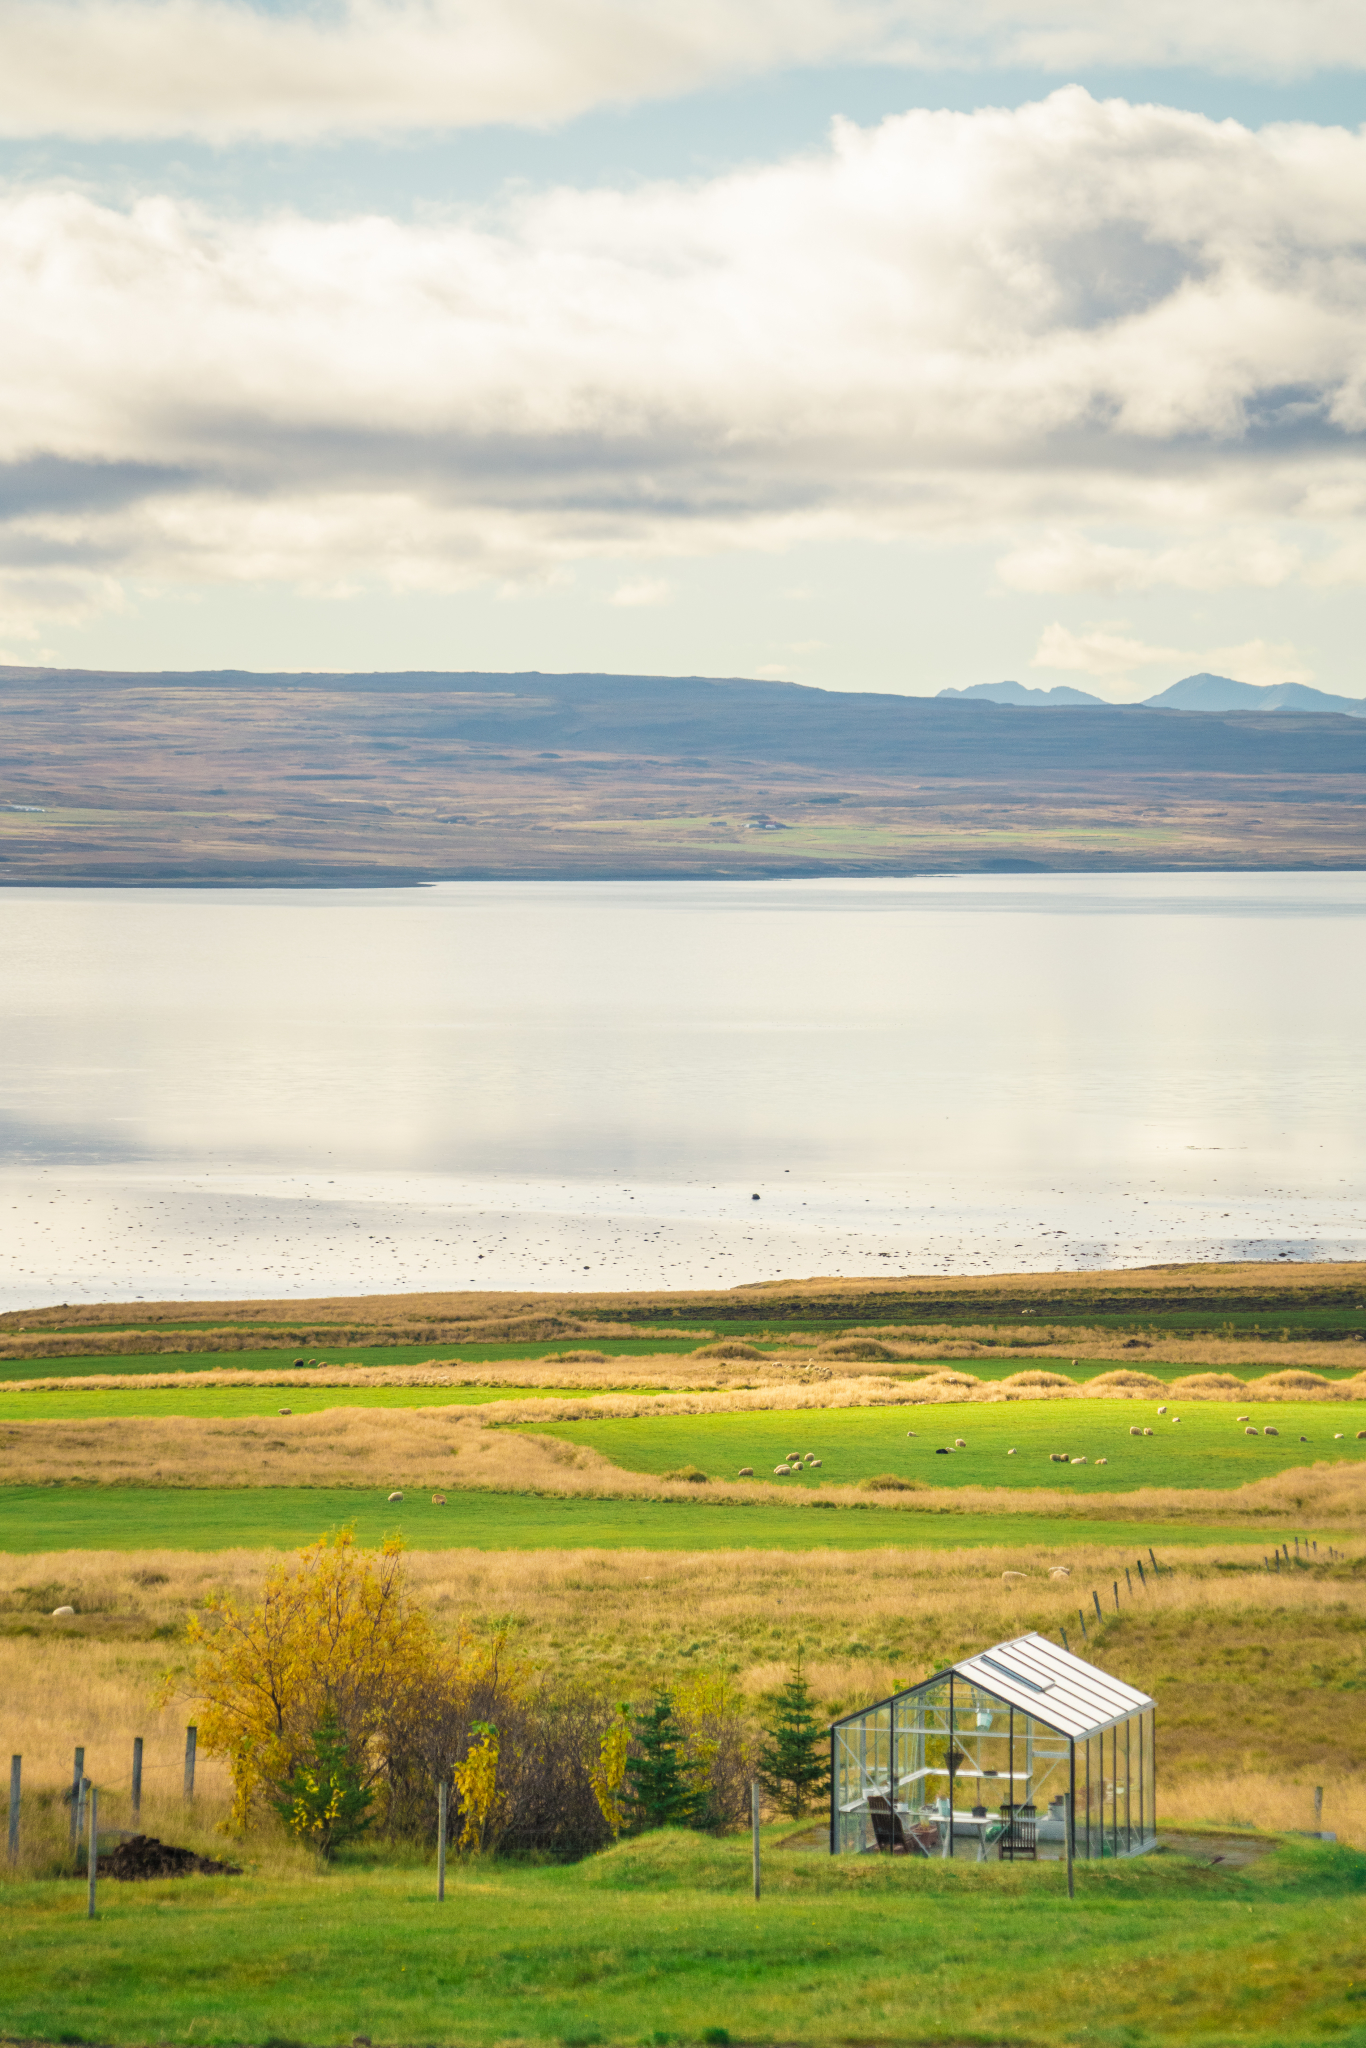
{"points": [[1258, 1679], [1174, 1285]]}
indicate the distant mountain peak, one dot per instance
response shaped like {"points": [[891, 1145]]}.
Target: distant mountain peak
{"points": [[1020, 693], [1205, 692]]}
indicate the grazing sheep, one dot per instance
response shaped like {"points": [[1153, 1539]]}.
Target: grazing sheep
{"points": [[960, 1443], [1243, 1418], [1010, 1454], [815, 1464], [1147, 1432], [1337, 1436], [1161, 1411], [1060, 1571], [910, 1432], [396, 1496], [1251, 1432], [1176, 1418], [1269, 1431], [286, 1411], [746, 1471], [62, 1610], [1078, 1461], [1304, 1439], [298, 1365], [1057, 1457], [794, 1457], [1361, 1435], [811, 1458], [1102, 1461], [782, 1471], [438, 1500], [1008, 1576], [1135, 1429]]}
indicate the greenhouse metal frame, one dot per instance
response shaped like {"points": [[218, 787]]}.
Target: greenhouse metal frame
{"points": [[1057, 1755]]}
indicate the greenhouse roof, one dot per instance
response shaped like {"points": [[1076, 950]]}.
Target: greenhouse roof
{"points": [[1053, 1685]]}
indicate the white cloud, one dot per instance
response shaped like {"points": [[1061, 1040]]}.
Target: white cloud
{"points": [[216, 69], [646, 590], [1070, 561], [1259, 661], [1101, 652], [1111, 657], [1072, 314]]}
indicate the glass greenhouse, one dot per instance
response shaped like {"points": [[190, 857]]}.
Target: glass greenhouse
{"points": [[992, 1756]]}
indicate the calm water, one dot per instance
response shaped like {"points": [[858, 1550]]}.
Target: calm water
{"points": [[237, 1092]]}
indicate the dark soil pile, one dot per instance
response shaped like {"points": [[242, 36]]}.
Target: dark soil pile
{"points": [[144, 1856]]}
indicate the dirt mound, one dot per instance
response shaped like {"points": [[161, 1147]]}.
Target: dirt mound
{"points": [[574, 1358], [729, 1347], [1125, 1381], [1294, 1381], [143, 1856], [1219, 1386]]}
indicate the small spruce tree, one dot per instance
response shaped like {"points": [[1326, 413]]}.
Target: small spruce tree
{"points": [[325, 1800], [794, 1761], [659, 1792]]}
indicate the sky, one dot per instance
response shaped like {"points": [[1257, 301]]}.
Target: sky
{"points": [[875, 344]]}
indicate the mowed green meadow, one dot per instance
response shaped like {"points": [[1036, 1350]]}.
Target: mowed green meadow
{"points": [[221, 1403], [1207, 1447], [43, 1518], [657, 1941]]}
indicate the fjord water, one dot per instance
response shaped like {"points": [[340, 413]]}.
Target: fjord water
{"points": [[239, 1092]]}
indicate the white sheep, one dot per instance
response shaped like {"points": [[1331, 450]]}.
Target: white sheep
{"points": [[1102, 1461], [910, 1432], [1269, 1431], [960, 1443], [62, 1610], [1135, 1429], [1147, 1432], [1008, 1576], [746, 1471], [815, 1464], [286, 1411], [782, 1471], [1250, 1432], [395, 1496], [1060, 1571], [1010, 1454], [1078, 1461], [1161, 1411], [438, 1500]]}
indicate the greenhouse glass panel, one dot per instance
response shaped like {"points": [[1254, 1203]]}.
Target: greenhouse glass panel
{"points": [[988, 1758]]}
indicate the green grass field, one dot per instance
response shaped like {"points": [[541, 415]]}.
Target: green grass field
{"points": [[41, 1518], [87, 1404], [1206, 1448], [658, 1942], [365, 1354]]}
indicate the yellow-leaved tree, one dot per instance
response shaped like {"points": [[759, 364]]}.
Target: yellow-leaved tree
{"points": [[334, 1640]]}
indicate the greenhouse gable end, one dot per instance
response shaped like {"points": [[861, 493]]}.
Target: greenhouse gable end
{"points": [[1002, 1755]]}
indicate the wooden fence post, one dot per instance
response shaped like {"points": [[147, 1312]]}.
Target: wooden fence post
{"points": [[441, 1841], [77, 1773], [16, 1771], [754, 1828], [191, 1740], [137, 1779], [1067, 1823], [92, 1854]]}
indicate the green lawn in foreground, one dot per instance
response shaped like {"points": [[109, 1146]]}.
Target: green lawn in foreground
{"points": [[658, 1942], [37, 1518], [1208, 1447]]}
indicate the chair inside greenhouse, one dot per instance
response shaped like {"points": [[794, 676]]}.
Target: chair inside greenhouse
{"points": [[1000, 1756]]}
